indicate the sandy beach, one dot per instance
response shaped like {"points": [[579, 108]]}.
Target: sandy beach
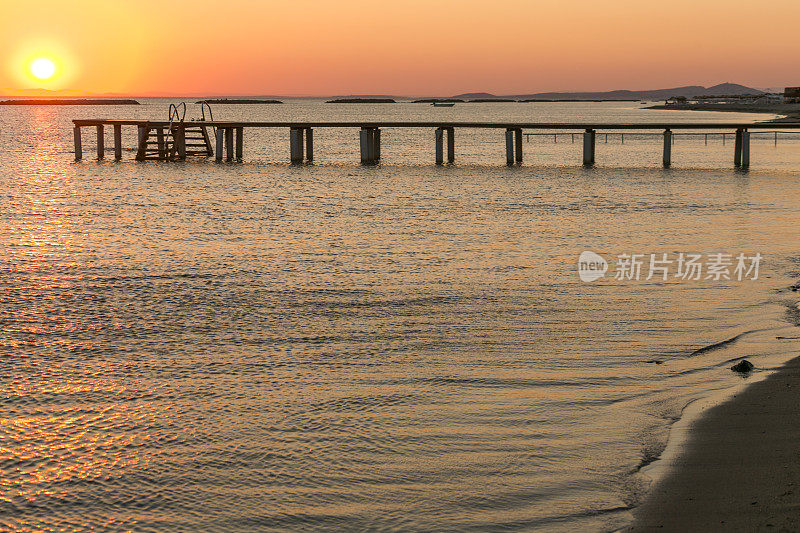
{"points": [[740, 468]]}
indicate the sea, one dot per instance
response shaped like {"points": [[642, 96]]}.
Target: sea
{"points": [[260, 346]]}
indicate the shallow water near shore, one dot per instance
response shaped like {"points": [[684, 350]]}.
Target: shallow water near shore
{"points": [[203, 346]]}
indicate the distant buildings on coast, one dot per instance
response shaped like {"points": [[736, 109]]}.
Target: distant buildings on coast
{"points": [[791, 95]]}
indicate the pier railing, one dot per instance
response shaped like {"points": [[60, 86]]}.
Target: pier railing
{"points": [[229, 137]]}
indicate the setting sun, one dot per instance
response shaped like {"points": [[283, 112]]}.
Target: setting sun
{"points": [[43, 68]]}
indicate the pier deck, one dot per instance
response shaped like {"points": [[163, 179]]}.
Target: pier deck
{"points": [[229, 136]]}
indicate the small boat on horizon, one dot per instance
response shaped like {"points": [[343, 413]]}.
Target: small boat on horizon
{"points": [[443, 104]]}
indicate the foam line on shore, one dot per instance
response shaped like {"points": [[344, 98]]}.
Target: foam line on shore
{"points": [[680, 430], [679, 453], [694, 410]]}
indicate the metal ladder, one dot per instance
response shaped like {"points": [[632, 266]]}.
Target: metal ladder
{"points": [[164, 147]]}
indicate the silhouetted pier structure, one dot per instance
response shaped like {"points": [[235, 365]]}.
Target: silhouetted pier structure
{"points": [[175, 141]]}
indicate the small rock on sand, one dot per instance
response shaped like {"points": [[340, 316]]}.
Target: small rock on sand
{"points": [[743, 366]]}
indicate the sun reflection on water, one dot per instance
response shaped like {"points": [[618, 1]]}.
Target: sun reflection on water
{"points": [[197, 347]]}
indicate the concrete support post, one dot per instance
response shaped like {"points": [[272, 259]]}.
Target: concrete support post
{"points": [[370, 145], [117, 142], [737, 148], [296, 145], [180, 142], [101, 142], [141, 142], [588, 147], [309, 144], [376, 139], [745, 149], [76, 132], [439, 135], [228, 144], [518, 139], [509, 147], [667, 148], [365, 144], [451, 145], [239, 144], [220, 144]]}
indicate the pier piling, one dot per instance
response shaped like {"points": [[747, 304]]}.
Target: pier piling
{"points": [[296, 145], [179, 139], [309, 144], [220, 144], [518, 143], [439, 146], [76, 133], [509, 147], [451, 145], [239, 144], [229, 144], [745, 149], [365, 141], [117, 142], [101, 142], [667, 148], [589, 137], [370, 140], [737, 148], [141, 139]]}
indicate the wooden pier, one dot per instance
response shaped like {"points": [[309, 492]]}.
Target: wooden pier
{"points": [[170, 141]]}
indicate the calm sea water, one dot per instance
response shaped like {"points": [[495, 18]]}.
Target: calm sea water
{"points": [[256, 346]]}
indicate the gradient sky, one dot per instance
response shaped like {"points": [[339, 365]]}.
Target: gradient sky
{"points": [[410, 47]]}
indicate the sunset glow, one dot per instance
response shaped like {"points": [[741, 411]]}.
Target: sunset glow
{"points": [[409, 47]]}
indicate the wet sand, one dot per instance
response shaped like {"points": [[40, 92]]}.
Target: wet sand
{"points": [[740, 470]]}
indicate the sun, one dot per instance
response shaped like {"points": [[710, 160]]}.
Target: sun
{"points": [[43, 68]]}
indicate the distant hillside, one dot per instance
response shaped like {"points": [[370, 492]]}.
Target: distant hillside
{"points": [[655, 94], [470, 96]]}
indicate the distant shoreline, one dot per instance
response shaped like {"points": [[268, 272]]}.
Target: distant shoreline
{"points": [[67, 101], [237, 101], [789, 112], [439, 101], [579, 100], [362, 101]]}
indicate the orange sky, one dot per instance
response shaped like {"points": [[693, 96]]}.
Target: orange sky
{"points": [[410, 47]]}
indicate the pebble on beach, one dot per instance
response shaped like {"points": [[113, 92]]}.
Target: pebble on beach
{"points": [[743, 366]]}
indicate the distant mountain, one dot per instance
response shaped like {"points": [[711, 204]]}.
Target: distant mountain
{"points": [[655, 94], [730, 89], [470, 96]]}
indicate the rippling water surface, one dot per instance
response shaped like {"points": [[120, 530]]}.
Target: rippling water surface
{"points": [[256, 346]]}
